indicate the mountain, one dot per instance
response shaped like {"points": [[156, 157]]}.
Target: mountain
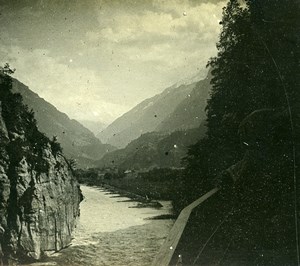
{"points": [[190, 112], [94, 126], [161, 128], [145, 117], [76, 140], [179, 107], [154, 149]]}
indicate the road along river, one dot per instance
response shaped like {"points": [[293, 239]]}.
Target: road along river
{"points": [[111, 232]]}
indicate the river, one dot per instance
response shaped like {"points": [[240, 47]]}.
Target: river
{"points": [[111, 232]]}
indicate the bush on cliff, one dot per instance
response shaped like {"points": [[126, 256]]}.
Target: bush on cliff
{"points": [[39, 196], [20, 120]]}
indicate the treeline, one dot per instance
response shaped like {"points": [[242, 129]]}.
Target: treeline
{"points": [[254, 103], [252, 145], [26, 141], [158, 183], [22, 127]]}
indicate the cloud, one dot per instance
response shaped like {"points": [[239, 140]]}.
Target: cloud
{"points": [[76, 91], [102, 57], [169, 34], [175, 19]]}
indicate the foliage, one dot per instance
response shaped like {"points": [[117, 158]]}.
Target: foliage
{"points": [[113, 175], [56, 147], [159, 183], [257, 68], [73, 164], [252, 147], [26, 140], [161, 174]]}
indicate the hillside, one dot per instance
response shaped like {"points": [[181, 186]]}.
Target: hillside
{"points": [[153, 150], [161, 128], [190, 113], [145, 117], [77, 141]]}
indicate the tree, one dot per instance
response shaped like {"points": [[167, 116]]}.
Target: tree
{"points": [[29, 141], [6, 70], [229, 101], [257, 67], [255, 101]]}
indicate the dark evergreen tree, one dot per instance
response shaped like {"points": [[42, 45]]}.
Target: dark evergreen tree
{"points": [[20, 120], [256, 69], [252, 144], [253, 129]]}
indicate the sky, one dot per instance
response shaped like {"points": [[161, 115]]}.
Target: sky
{"points": [[96, 59]]}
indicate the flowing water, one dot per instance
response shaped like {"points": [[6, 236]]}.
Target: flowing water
{"points": [[111, 232]]}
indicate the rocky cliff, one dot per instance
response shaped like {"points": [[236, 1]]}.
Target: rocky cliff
{"points": [[39, 197]]}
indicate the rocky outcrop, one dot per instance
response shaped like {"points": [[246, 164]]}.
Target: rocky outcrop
{"points": [[4, 181], [39, 196]]}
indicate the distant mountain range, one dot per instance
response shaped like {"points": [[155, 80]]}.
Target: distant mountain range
{"points": [[190, 112], [155, 133], [176, 108], [77, 141], [172, 121], [153, 150]]}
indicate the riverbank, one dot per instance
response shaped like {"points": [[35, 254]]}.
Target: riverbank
{"points": [[142, 201], [156, 184], [111, 232]]}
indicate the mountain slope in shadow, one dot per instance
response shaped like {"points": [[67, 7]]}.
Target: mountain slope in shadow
{"points": [[76, 140], [167, 139], [153, 150], [145, 117]]}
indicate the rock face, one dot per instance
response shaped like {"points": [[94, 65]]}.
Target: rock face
{"points": [[38, 205]]}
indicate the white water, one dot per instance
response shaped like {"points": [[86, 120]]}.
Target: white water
{"points": [[111, 233]]}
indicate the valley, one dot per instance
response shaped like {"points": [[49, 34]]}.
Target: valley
{"points": [[152, 132], [78, 142]]}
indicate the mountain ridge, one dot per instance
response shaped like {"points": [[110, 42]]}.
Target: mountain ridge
{"points": [[77, 141], [153, 150], [179, 107], [190, 112], [168, 140], [94, 126], [144, 117]]}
